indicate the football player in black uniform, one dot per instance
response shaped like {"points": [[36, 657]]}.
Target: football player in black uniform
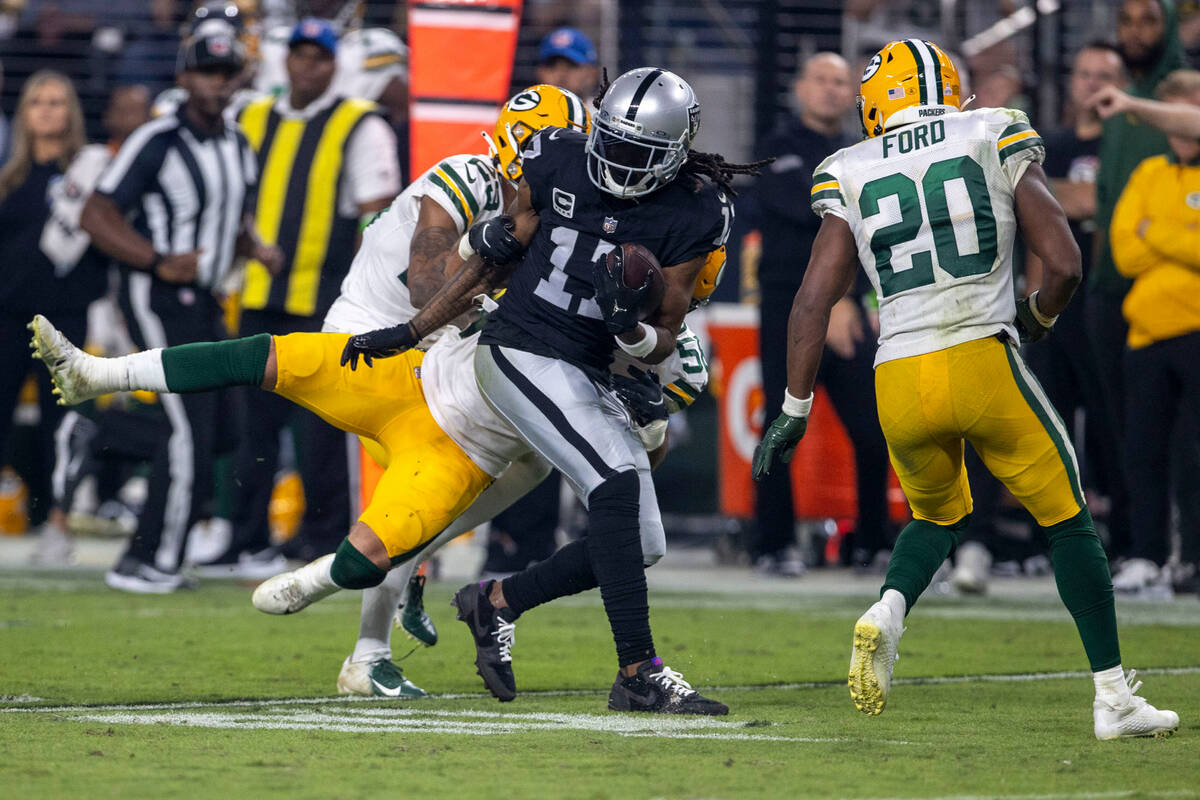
{"points": [[543, 357]]}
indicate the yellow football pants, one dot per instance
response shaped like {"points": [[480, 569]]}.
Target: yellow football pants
{"points": [[429, 480], [980, 392]]}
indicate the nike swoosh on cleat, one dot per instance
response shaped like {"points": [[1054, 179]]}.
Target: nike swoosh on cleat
{"points": [[385, 691]]}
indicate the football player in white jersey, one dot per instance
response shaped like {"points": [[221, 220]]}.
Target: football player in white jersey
{"points": [[930, 203], [444, 429]]}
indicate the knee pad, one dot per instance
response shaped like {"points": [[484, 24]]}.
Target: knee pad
{"points": [[616, 494]]}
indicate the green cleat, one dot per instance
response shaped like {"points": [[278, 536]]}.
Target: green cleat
{"points": [[412, 617], [376, 679]]}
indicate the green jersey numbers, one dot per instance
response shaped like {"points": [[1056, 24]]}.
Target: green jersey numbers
{"points": [[949, 226]]}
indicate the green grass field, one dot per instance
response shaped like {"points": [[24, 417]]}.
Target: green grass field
{"points": [[198, 695]]}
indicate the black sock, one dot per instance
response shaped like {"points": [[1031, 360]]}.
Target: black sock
{"points": [[568, 571], [615, 547]]}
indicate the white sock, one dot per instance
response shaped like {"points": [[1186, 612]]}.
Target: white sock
{"points": [[895, 601], [137, 371], [315, 578], [378, 607], [1111, 686]]}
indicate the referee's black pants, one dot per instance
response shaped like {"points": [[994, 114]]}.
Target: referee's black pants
{"points": [[161, 314], [321, 453], [36, 461], [850, 384]]}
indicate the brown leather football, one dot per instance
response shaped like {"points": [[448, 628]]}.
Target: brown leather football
{"points": [[637, 266]]}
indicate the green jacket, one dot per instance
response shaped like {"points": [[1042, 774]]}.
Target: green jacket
{"points": [[1125, 144]]}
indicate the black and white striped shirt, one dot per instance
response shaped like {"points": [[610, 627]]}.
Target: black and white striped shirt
{"points": [[185, 190]]}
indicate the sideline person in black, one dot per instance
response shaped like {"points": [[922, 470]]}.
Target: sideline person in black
{"points": [[47, 133], [171, 208], [1065, 363], [825, 92]]}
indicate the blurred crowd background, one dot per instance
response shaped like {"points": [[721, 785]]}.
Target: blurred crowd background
{"points": [[776, 78]]}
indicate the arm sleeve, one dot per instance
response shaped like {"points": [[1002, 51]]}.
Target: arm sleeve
{"points": [[1018, 145], [826, 196], [688, 372], [1131, 254], [372, 163], [710, 233]]}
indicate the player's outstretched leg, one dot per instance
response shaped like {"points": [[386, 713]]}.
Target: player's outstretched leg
{"points": [[201, 366], [1085, 586], [920, 549], [348, 568]]}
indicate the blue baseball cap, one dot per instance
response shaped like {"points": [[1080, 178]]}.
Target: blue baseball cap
{"points": [[318, 31], [569, 43]]}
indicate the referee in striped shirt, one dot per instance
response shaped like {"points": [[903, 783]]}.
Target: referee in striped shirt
{"points": [[173, 209]]}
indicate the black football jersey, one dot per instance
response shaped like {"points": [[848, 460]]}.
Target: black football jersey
{"points": [[549, 307]]}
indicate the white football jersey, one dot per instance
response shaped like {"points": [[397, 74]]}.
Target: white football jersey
{"points": [[374, 293], [367, 60], [931, 208], [458, 407]]}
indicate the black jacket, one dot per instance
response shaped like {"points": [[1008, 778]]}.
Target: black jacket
{"points": [[786, 220]]}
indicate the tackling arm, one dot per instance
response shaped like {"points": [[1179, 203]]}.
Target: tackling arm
{"points": [[433, 253]]}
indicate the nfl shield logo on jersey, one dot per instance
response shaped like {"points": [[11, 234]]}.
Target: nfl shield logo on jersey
{"points": [[610, 225]]}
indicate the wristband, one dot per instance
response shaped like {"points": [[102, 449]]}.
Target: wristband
{"points": [[465, 251], [795, 407], [1043, 320], [643, 346]]}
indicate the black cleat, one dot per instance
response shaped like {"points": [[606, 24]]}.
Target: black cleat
{"points": [[658, 688], [494, 635]]}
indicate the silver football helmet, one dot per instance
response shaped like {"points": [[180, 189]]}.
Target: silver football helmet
{"points": [[641, 135]]}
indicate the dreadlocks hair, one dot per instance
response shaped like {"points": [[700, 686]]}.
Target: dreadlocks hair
{"points": [[700, 165]]}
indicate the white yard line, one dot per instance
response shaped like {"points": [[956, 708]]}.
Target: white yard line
{"points": [[1026, 677]]}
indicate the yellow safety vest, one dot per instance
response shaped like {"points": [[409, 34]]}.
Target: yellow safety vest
{"points": [[299, 178]]}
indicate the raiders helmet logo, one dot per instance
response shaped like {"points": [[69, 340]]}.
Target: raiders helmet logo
{"points": [[693, 120]]}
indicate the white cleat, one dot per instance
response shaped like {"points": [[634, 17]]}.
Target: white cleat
{"points": [[289, 592], [1135, 718], [379, 678], [66, 362], [876, 639]]}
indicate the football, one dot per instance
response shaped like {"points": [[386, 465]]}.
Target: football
{"points": [[638, 265]]}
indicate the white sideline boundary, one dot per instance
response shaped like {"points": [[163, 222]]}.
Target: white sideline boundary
{"points": [[1020, 677]]}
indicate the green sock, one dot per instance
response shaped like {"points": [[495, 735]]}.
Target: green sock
{"points": [[920, 549], [352, 570], [202, 366], [1085, 586]]}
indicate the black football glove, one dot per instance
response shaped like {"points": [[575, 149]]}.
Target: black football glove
{"points": [[494, 241], [642, 394], [1027, 324], [382, 343], [618, 303], [778, 443]]}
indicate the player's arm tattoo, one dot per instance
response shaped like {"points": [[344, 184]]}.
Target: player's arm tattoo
{"points": [[456, 295], [427, 257]]}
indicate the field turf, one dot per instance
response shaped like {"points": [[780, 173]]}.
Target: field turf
{"points": [[198, 695]]}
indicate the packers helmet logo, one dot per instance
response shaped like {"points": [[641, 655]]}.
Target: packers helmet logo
{"points": [[872, 67], [525, 101]]}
